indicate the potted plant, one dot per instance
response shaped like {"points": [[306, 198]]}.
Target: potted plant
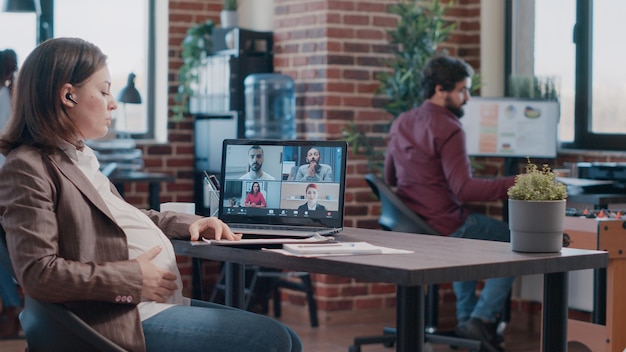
{"points": [[537, 210], [533, 87], [196, 45], [229, 16], [418, 36]]}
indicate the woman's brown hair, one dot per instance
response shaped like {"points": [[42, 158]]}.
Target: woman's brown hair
{"points": [[39, 118]]}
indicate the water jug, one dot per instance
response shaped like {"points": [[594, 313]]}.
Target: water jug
{"points": [[270, 106]]}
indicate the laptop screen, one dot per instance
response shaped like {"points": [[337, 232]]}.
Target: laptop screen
{"points": [[283, 182]]}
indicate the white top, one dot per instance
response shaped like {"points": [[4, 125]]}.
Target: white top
{"points": [[252, 176], [5, 110], [141, 233]]}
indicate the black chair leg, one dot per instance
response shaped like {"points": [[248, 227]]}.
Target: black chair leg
{"points": [[276, 299], [310, 299], [306, 286]]}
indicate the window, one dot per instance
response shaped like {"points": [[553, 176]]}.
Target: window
{"points": [[23, 23], [127, 32], [576, 41]]}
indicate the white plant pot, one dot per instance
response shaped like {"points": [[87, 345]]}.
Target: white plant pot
{"points": [[536, 226], [229, 19]]}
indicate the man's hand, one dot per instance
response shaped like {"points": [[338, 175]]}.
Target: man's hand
{"points": [[157, 284], [312, 166], [212, 228]]}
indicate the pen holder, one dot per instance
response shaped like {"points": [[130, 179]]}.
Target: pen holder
{"points": [[214, 203]]}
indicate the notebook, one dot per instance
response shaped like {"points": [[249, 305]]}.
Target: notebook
{"points": [[283, 188]]}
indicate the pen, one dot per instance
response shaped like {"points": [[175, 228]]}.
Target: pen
{"points": [[322, 245]]}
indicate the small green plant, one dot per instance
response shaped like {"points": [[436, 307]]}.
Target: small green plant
{"points": [[196, 44], [230, 5], [533, 87], [537, 184]]}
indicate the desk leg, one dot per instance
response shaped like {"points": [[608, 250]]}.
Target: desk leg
{"points": [[554, 327], [234, 290], [410, 318]]}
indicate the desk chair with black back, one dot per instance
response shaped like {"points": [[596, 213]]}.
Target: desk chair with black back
{"points": [[52, 327], [395, 216], [265, 283]]}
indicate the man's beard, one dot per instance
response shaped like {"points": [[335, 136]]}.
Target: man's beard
{"points": [[457, 111], [255, 167]]}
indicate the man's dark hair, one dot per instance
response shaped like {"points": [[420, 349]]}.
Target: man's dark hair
{"points": [[255, 147], [446, 71]]}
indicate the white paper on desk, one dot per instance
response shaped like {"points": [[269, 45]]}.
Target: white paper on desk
{"points": [[332, 248], [381, 250]]}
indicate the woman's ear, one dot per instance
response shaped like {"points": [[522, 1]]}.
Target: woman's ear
{"points": [[66, 96]]}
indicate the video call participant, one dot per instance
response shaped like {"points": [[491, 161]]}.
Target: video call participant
{"points": [[313, 171], [311, 200], [254, 198], [426, 159], [255, 163], [73, 239]]}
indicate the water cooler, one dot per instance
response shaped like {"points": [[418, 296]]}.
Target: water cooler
{"points": [[218, 104], [270, 106]]}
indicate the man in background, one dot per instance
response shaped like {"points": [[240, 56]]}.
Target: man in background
{"points": [[313, 171], [255, 163], [427, 161]]}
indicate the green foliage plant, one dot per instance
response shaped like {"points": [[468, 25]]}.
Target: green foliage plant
{"points": [[537, 184], [230, 5], [533, 87], [417, 37], [196, 44]]}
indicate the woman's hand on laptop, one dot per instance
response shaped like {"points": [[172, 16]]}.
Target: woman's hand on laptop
{"points": [[212, 228]]}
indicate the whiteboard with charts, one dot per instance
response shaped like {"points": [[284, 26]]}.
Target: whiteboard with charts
{"points": [[511, 127]]}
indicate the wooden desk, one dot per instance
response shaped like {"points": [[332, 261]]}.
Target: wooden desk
{"points": [[435, 260], [119, 179], [609, 316]]}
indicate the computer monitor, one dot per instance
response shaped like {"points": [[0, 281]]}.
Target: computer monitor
{"points": [[511, 127]]}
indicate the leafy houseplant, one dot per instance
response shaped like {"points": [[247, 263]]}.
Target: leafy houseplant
{"points": [[230, 5], [537, 184], [196, 44], [420, 31], [533, 87], [537, 210]]}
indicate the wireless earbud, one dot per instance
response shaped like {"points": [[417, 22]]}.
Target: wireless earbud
{"points": [[68, 96]]}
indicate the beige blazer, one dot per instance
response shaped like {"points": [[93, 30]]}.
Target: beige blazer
{"points": [[66, 247]]}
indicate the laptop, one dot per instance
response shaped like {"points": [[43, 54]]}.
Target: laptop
{"points": [[270, 189]]}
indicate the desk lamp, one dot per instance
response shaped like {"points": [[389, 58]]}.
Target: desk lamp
{"points": [[128, 95]]}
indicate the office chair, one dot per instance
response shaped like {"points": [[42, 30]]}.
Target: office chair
{"points": [[52, 327], [265, 282], [396, 216]]}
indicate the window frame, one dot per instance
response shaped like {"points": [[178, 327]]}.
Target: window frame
{"points": [[157, 60], [584, 137]]}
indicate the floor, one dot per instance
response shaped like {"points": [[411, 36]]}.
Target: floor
{"points": [[338, 338]]}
